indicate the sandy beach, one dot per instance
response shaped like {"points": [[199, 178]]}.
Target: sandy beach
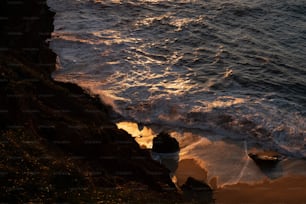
{"points": [[284, 190], [288, 189]]}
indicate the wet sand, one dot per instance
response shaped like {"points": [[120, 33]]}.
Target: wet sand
{"points": [[289, 189], [283, 190]]}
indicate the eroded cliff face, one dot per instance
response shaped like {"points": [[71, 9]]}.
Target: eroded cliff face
{"points": [[25, 27], [55, 137]]}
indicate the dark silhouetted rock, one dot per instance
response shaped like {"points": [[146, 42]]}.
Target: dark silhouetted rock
{"points": [[266, 159], [197, 192], [195, 185], [166, 151], [164, 143], [59, 118]]}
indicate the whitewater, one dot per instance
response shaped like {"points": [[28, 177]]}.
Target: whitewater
{"points": [[224, 77]]}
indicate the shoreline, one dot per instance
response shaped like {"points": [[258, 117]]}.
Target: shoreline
{"points": [[60, 144], [287, 189], [272, 188]]}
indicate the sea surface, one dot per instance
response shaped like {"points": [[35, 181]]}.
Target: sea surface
{"points": [[225, 77]]}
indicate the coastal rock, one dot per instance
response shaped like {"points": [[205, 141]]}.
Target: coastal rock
{"points": [[164, 143], [197, 192], [166, 151], [266, 159], [267, 162], [58, 119], [195, 185]]}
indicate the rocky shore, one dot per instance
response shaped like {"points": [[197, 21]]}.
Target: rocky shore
{"points": [[57, 141]]}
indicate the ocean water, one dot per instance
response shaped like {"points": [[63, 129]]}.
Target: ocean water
{"points": [[224, 77]]}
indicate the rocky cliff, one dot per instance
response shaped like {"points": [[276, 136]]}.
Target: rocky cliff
{"points": [[57, 142]]}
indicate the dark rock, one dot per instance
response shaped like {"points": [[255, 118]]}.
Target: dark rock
{"points": [[266, 159], [166, 151], [195, 185], [267, 162], [63, 118], [164, 143], [197, 192], [25, 27]]}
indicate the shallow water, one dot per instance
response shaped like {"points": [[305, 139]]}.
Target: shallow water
{"points": [[225, 160], [231, 73]]}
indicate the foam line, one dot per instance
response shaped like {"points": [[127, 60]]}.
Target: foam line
{"points": [[246, 162]]}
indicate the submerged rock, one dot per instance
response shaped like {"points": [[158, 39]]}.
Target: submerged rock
{"points": [[266, 159], [267, 162]]}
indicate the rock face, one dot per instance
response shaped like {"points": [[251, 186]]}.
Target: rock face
{"points": [[196, 191], [25, 27], [266, 159], [166, 150], [164, 143], [195, 185], [59, 119]]}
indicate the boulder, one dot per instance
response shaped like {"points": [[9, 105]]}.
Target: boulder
{"points": [[166, 151], [195, 185], [266, 159], [164, 143], [197, 192]]}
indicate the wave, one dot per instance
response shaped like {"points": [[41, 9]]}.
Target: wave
{"points": [[174, 66]]}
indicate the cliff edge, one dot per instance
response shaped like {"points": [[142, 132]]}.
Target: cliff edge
{"points": [[57, 141]]}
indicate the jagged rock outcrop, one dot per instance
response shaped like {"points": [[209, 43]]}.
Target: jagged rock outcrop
{"points": [[164, 143], [38, 114]]}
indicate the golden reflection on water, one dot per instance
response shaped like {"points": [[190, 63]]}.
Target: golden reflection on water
{"points": [[225, 101], [107, 37], [143, 137]]}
